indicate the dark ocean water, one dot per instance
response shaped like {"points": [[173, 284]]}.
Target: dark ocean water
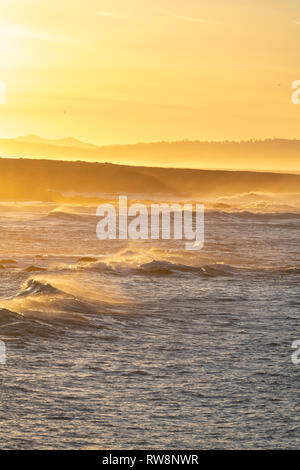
{"points": [[142, 345]]}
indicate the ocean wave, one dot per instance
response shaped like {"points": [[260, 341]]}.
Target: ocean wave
{"points": [[32, 269], [8, 262], [34, 287], [287, 270], [7, 315], [15, 325], [87, 259], [66, 216], [164, 268], [38, 299], [100, 267], [247, 214]]}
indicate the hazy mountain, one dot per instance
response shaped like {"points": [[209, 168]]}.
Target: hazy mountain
{"points": [[270, 155], [67, 142]]}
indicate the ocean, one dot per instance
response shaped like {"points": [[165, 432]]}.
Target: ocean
{"points": [[142, 344]]}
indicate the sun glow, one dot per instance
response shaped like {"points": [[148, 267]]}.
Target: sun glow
{"points": [[98, 72], [8, 35]]}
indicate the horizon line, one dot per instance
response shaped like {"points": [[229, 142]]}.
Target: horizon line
{"points": [[183, 140]]}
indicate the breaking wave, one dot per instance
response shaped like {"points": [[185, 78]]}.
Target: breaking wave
{"points": [[165, 268], [33, 287]]}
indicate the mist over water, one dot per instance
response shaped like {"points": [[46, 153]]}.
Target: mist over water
{"points": [[122, 344]]}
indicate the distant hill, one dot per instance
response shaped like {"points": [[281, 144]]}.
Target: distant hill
{"points": [[269, 155], [67, 142], [27, 179]]}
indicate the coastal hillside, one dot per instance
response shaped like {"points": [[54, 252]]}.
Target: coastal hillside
{"points": [[33, 179]]}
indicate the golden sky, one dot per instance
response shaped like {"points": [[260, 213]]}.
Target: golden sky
{"points": [[116, 71]]}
